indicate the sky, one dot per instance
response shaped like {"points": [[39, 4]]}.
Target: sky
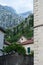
{"points": [[20, 6]]}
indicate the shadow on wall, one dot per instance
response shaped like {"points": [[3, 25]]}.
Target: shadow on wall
{"points": [[15, 59]]}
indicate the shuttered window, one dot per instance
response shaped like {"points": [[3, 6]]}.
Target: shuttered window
{"points": [[28, 49]]}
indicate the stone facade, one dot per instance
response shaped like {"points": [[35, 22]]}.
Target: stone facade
{"points": [[38, 32], [15, 59], [1, 41]]}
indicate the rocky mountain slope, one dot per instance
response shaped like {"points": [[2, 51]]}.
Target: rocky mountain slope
{"points": [[26, 14], [9, 17]]}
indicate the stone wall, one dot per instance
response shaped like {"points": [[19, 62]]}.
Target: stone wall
{"points": [[15, 59]]}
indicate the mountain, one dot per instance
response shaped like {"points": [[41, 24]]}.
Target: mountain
{"points": [[7, 8], [10, 9], [25, 14], [9, 17]]}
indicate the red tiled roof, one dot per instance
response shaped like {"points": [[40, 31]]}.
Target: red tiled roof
{"points": [[30, 41]]}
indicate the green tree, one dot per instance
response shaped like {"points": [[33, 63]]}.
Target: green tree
{"points": [[31, 20], [14, 47]]}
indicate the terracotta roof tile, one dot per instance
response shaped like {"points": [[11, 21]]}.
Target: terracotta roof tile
{"points": [[30, 41]]}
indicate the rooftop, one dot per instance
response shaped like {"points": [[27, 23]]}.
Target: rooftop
{"points": [[29, 41]]}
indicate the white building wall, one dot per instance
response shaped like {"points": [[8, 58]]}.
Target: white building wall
{"points": [[38, 32], [28, 45], [22, 39], [1, 41]]}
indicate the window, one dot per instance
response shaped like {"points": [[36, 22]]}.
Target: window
{"points": [[21, 38], [28, 49]]}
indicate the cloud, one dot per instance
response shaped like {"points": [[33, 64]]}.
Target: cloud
{"points": [[19, 5]]}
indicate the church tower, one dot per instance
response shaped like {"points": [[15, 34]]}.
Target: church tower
{"points": [[38, 32]]}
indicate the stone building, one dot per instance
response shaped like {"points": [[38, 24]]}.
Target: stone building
{"points": [[38, 32], [27, 44], [2, 32]]}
